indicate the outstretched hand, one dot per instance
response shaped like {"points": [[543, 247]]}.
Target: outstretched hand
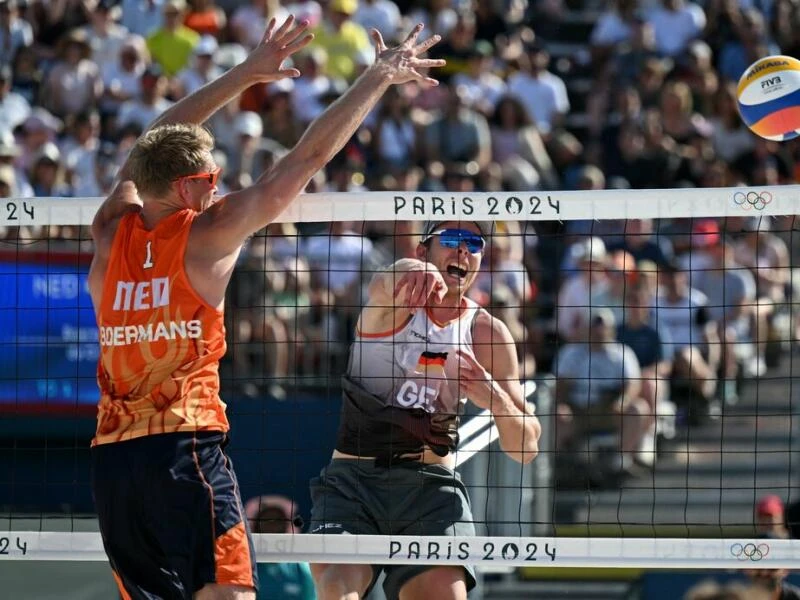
{"points": [[402, 62], [475, 381], [421, 288], [275, 47]]}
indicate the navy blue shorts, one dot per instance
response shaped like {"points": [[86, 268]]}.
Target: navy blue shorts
{"points": [[171, 515]]}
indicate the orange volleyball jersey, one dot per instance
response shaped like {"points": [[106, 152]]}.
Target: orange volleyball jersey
{"points": [[160, 343]]}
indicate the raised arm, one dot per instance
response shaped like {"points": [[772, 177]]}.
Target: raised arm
{"points": [[489, 377], [395, 293], [229, 222], [263, 65]]}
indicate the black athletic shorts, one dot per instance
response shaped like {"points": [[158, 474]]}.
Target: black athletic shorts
{"points": [[171, 516], [357, 496]]}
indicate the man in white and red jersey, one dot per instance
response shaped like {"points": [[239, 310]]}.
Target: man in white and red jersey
{"points": [[168, 502], [421, 350]]}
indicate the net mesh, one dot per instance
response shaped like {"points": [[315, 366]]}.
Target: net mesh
{"points": [[655, 331]]}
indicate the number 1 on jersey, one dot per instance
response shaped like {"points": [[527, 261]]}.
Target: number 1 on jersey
{"points": [[148, 258]]}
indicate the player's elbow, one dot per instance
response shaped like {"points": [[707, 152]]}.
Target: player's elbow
{"points": [[525, 456], [525, 452]]}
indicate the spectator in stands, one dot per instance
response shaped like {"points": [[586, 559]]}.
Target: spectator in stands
{"points": [[15, 31], [518, 148], [312, 86], [502, 266], [598, 390], [767, 257], [142, 17], [457, 46], [613, 28], [47, 173], [458, 134], [279, 116], [621, 274], [382, 15], [341, 38], [245, 156], [250, 20], [394, 146], [206, 18], [74, 84], [78, 147], [699, 74], [678, 118], [201, 71], [769, 515], [482, 87], [730, 136], [105, 36], [439, 16], [27, 75], [9, 152], [751, 42], [171, 45], [284, 581], [543, 93], [580, 292], [122, 79], [151, 101], [642, 244], [731, 292], [651, 347], [637, 58], [14, 108], [338, 256], [38, 129], [8, 182], [502, 304], [676, 24], [682, 311], [772, 582]]}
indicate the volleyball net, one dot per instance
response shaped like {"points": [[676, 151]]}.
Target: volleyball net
{"points": [[655, 330]]}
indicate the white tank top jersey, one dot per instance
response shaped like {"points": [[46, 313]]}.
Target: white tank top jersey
{"points": [[416, 365]]}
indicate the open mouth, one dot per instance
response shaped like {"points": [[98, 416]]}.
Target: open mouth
{"points": [[456, 271]]}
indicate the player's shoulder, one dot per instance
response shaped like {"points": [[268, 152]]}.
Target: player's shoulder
{"points": [[488, 328]]}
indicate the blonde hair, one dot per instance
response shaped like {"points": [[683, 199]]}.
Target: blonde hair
{"points": [[166, 153]]}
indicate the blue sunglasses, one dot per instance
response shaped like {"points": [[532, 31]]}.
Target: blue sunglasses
{"points": [[453, 238]]}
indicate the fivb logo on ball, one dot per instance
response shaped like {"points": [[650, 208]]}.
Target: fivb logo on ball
{"points": [[769, 97]]}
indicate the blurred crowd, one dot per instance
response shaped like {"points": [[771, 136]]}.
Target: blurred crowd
{"points": [[651, 323]]}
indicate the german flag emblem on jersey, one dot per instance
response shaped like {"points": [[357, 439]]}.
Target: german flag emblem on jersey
{"points": [[431, 364]]}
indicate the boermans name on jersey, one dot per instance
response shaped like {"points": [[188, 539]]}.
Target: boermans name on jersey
{"points": [[146, 295]]}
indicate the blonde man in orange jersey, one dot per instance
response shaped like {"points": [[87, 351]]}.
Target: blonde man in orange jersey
{"points": [[167, 499]]}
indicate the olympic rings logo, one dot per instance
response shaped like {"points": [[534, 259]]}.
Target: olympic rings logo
{"points": [[750, 551], [755, 200]]}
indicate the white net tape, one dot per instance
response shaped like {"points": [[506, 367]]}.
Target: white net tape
{"points": [[499, 206], [480, 551]]}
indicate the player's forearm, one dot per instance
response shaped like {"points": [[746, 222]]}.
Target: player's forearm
{"points": [[519, 429], [328, 134], [384, 282], [199, 106]]}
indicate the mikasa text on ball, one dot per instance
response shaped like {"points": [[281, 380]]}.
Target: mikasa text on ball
{"points": [[769, 97]]}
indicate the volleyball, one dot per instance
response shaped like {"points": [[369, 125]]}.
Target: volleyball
{"points": [[769, 97]]}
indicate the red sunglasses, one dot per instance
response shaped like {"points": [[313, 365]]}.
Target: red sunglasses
{"points": [[211, 177]]}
